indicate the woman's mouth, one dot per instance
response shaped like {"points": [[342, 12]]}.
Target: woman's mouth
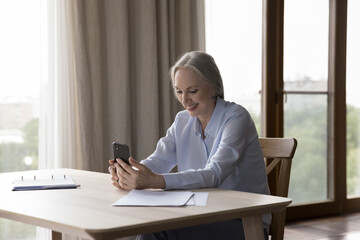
{"points": [[192, 107]]}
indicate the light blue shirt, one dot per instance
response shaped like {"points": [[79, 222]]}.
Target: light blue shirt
{"points": [[229, 157]]}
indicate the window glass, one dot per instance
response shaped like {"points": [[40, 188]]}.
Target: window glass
{"points": [[19, 96], [305, 118], [306, 33], [233, 38], [306, 25], [353, 100], [19, 81]]}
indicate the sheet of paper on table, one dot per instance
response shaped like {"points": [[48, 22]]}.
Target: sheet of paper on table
{"points": [[162, 198], [199, 199]]}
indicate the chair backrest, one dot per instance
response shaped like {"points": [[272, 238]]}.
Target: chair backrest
{"points": [[278, 154]]}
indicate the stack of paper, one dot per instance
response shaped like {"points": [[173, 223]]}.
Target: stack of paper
{"points": [[162, 198]]}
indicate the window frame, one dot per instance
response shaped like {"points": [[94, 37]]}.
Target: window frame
{"points": [[272, 103]]}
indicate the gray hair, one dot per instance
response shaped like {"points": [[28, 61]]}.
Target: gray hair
{"points": [[204, 65]]}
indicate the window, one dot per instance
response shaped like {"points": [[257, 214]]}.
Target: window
{"points": [[19, 80], [19, 96], [233, 38], [353, 100], [304, 64], [306, 96]]}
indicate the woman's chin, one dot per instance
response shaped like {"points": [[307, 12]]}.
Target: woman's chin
{"points": [[192, 113]]}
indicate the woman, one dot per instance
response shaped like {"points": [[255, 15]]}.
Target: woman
{"points": [[213, 143]]}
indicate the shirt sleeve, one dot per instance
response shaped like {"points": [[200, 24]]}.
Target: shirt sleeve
{"points": [[163, 160], [235, 137]]}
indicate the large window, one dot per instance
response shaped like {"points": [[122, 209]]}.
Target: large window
{"points": [[19, 96], [306, 96], [304, 65], [353, 100], [233, 38], [19, 80]]}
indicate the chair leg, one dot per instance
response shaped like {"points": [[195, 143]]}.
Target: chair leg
{"points": [[253, 228], [56, 235], [277, 231]]}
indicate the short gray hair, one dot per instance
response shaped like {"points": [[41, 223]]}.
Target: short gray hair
{"points": [[204, 65]]}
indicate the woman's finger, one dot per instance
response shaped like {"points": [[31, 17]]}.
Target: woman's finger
{"points": [[136, 164], [126, 167], [112, 170], [116, 184], [123, 183], [122, 174]]}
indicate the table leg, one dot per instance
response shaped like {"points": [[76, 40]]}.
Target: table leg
{"points": [[253, 228], [56, 235]]}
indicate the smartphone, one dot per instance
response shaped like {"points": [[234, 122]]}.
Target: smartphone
{"points": [[121, 151]]}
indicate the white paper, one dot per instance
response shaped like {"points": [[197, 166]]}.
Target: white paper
{"points": [[199, 199], [154, 198]]}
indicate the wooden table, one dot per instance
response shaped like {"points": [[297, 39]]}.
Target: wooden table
{"points": [[88, 212]]}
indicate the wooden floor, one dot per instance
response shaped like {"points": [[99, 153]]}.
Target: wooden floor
{"points": [[333, 228]]}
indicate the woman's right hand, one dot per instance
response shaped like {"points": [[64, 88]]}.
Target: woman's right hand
{"points": [[134, 176]]}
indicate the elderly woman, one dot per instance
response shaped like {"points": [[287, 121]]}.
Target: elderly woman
{"points": [[213, 143]]}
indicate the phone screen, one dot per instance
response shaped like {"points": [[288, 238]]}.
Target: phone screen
{"points": [[121, 151]]}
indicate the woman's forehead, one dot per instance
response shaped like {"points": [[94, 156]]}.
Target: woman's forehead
{"points": [[186, 76]]}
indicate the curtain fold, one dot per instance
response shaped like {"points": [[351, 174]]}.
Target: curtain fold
{"points": [[59, 137], [123, 52], [106, 77], [59, 134]]}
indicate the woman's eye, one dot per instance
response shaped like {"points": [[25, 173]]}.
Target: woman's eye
{"points": [[189, 91]]}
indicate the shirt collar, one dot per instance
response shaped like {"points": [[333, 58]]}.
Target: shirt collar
{"points": [[197, 126], [215, 118]]}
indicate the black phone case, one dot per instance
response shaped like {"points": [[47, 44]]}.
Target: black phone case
{"points": [[121, 151]]}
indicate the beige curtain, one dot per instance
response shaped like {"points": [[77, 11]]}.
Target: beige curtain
{"points": [[123, 51]]}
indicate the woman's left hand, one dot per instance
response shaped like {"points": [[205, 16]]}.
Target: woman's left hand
{"points": [[137, 176]]}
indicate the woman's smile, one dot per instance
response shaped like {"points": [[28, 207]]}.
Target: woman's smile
{"points": [[192, 107]]}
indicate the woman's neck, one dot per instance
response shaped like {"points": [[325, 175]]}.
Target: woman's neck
{"points": [[204, 121]]}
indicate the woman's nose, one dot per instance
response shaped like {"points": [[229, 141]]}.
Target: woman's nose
{"points": [[184, 99]]}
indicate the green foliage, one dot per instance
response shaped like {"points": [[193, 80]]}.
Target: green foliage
{"points": [[352, 131], [257, 121], [12, 159], [11, 230], [352, 153], [12, 155], [31, 137], [308, 125], [306, 120]]}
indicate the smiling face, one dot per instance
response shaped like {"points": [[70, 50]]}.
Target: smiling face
{"points": [[194, 94]]}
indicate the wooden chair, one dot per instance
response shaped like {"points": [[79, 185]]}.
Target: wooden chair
{"points": [[278, 154]]}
